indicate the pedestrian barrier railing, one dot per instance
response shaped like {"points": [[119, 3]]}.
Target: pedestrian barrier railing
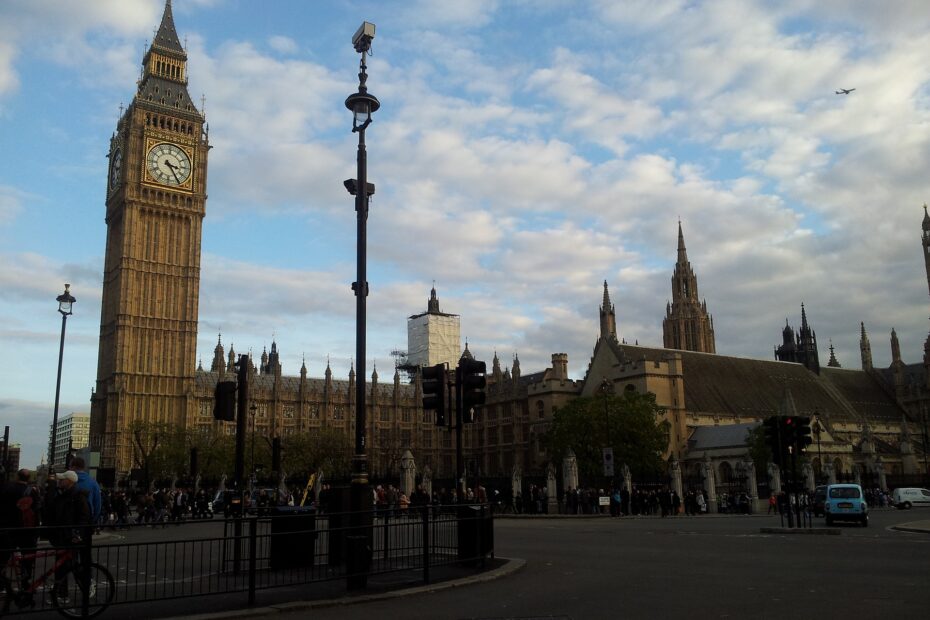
{"points": [[292, 548]]}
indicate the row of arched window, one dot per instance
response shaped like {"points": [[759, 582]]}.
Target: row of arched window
{"points": [[168, 123], [168, 69]]}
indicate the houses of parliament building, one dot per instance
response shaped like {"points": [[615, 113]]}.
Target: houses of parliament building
{"points": [[147, 369]]}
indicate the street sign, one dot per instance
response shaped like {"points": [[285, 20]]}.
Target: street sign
{"points": [[608, 461]]}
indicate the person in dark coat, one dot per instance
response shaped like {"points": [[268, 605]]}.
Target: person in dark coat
{"points": [[19, 510], [67, 512]]}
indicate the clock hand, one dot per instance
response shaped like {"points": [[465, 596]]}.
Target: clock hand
{"points": [[174, 170]]}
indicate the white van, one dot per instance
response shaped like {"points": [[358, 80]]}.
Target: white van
{"points": [[909, 497]]}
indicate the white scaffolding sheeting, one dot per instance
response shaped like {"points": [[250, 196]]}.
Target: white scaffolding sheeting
{"points": [[433, 339]]}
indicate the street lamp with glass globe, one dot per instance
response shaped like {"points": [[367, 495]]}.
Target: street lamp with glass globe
{"points": [[65, 304]]}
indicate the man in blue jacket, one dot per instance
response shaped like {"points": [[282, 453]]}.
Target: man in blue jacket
{"points": [[90, 487]]}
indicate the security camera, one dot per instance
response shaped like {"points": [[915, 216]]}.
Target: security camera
{"points": [[363, 36]]}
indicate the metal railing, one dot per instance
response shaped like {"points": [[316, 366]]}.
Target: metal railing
{"points": [[301, 547]]}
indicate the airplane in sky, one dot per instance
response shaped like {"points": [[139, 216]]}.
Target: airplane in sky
{"points": [[845, 91]]}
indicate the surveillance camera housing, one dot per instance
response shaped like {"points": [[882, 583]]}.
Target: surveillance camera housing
{"points": [[361, 40]]}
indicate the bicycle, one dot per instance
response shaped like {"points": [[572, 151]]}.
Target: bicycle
{"points": [[98, 591]]}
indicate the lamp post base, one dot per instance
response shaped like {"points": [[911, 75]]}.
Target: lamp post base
{"points": [[359, 538]]}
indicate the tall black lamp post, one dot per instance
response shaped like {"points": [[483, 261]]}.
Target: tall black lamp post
{"points": [[362, 104], [607, 389], [923, 419], [818, 429], [65, 302], [252, 409]]}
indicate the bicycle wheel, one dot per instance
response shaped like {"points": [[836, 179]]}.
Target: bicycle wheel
{"points": [[100, 592], [6, 595]]}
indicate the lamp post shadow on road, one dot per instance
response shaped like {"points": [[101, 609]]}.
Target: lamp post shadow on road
{"points": [[362, 104], [65, 303]]}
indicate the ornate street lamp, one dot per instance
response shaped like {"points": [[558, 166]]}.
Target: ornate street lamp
{"points": [[65, 303], [362, 104]]}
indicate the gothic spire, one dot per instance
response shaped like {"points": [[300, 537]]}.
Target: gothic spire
{"points": [[166, 39], [219, 357], [926, 222], [682, 252], [895, 347], [608, 316], [865, 348], [432, 306], [687, 324], [833, 363], [164, 72]]}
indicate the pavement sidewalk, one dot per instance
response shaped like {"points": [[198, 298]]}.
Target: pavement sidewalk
{"points": [[505, 567]]}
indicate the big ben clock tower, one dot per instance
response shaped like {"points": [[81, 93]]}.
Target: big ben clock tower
{"points": [[156, 196]]}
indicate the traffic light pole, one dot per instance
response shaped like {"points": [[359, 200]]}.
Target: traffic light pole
{"points": [[459, 465]]}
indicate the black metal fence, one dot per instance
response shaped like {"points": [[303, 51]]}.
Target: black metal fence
{"points": [[255, 553]]}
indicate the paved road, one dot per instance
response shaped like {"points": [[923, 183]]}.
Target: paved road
{"points": [[704, 567]]}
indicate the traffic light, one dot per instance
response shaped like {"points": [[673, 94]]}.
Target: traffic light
{"points": [[224, 403], [789, 433], [471, 382], [803, 433], [276, 454], [772, 429], [434, 391]]}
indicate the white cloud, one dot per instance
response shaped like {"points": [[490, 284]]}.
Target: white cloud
{"points": [[283, 45]]}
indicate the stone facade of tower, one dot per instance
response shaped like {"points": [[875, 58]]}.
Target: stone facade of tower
{"points": [[156, 197], [687, 325]]}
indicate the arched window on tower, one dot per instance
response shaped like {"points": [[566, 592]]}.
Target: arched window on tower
{"points": [[540, 409]]}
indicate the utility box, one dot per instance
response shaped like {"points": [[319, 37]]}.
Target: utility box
{"points": [[293, 537], [475, 533]]}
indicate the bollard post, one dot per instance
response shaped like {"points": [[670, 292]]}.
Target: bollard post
{"points": [[253, 547], [425, 544]]}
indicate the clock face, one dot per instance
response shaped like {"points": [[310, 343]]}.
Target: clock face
{"points": [[116, 167], [168, 164]]}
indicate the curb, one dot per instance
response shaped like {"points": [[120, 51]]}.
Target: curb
{"points": [[511, 566], [820, 531], [629, 517], [910, 527]]}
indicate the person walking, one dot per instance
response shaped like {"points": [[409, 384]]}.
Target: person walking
{"points": [[67, 512], [90, 486]]}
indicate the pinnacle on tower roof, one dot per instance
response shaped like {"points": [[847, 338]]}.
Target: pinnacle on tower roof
{"points": [[606, 302], [803, 317], [167, 36], [926, 222], [466, 354], [682, 252], [432, 306], [833, 363]]}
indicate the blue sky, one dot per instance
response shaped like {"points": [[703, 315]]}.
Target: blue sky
{"points": [[524, 153]]}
